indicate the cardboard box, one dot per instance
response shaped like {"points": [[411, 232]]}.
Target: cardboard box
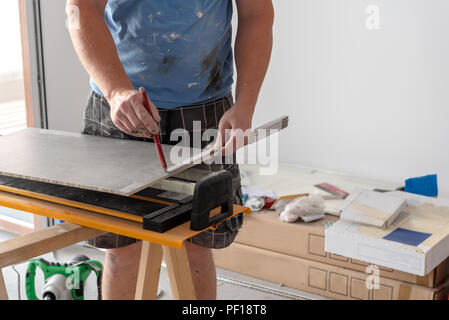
{"points": [[416, 242], [319, 278], [306, 240]]}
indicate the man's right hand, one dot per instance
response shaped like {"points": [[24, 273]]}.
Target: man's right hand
{"points": [[129, 114]]}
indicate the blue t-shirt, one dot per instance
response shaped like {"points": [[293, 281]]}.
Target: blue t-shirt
{"points": [[179, 50]]}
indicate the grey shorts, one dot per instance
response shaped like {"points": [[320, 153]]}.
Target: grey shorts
{"points": [[97, 121]]}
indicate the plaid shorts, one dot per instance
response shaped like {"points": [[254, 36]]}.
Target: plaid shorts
{"points": [[97, 121]]}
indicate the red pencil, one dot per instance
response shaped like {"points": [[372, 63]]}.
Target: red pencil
{"points": [[157, 141]]}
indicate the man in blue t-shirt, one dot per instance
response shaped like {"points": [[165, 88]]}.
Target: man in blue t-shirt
{"points": [[181, 53]]}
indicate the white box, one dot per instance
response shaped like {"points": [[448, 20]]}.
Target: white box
{"points": [[416, 242]]}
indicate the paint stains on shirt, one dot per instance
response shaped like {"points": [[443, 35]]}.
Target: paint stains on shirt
{"points": [[212, 65], [168, 62], [152, 15], [175, 35], [215, 77], [180, 51], [209, 59]]}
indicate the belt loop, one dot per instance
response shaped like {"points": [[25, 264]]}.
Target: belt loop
{"points": [[234, 221]]}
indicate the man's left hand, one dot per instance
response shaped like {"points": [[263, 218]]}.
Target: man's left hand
{"points": [[232, 129]]}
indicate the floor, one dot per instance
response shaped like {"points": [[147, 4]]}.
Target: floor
{"points": [[231, 285]]}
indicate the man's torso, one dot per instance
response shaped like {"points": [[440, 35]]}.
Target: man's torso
{"points": [[179, 50]]}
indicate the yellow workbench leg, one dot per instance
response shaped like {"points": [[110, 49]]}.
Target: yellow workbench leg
{"points": [[149, 271], [178, 268], [3, 292]]}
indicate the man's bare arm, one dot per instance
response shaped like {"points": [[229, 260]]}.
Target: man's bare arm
{"points": [[253, 47], [96, 49]]}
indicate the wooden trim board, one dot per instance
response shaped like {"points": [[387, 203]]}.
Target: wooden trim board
{"points": [[15, 226], [34, 244], [26, 61]]}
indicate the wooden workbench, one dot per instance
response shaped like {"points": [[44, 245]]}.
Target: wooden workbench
{"points": [[82, 225]]}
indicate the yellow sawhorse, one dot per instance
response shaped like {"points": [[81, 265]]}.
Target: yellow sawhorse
{"points": [[82, 225]]}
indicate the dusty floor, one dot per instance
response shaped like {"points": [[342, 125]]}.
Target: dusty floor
{"points": [[231, 285]]}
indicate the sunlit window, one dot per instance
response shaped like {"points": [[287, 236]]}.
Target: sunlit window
{"points": [[12, 102]]}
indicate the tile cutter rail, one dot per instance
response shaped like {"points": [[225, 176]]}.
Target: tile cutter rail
{"points": [[157, 210]]}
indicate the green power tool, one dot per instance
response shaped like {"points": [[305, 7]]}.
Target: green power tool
{"points": [[62, 281]]}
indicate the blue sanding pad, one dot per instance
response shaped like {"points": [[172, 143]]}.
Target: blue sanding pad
{"points": [[413, 238], [425, 186]]}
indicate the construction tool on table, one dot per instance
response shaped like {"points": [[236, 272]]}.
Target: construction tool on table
{"points": [[105, 191], [62, 281], [158, 210], [96, 163], [217, 207]]}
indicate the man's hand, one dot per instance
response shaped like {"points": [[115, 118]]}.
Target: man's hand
{"points": [[232, 129], [129, 114], [96, 49]]}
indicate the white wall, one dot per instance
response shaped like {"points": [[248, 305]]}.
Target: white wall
{"points": [[66, 82], [371, 103]]}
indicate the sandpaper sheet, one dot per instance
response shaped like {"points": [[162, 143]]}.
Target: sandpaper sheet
{"points": [[116, 166]]}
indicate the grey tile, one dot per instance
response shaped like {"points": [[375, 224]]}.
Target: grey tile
{"points": [[96, 163]]}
